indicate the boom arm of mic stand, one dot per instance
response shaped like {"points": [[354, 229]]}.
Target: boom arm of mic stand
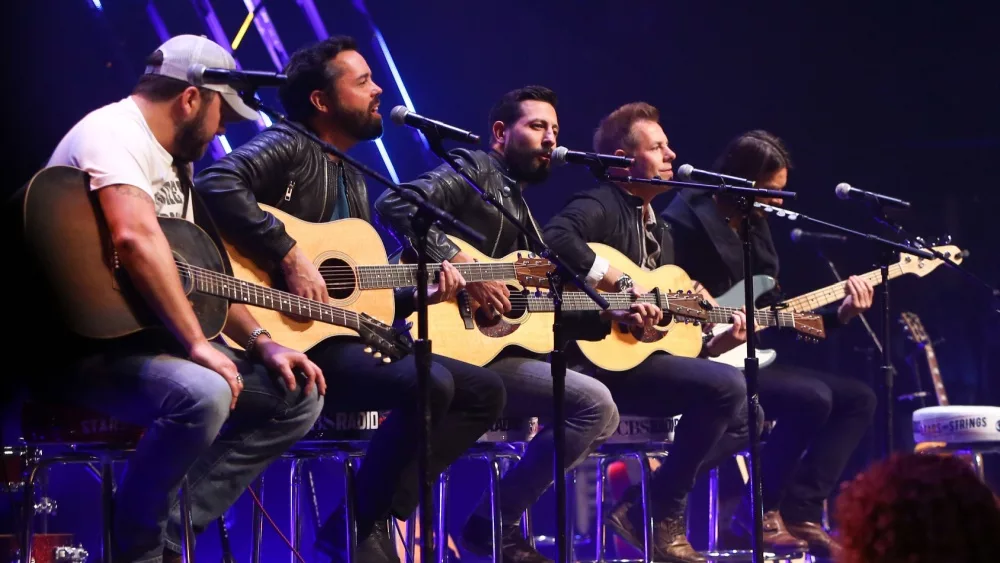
{"points": [[416, 198], [757, 192]]}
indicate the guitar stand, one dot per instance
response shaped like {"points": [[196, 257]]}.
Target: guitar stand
{"points": [[557, 358]]}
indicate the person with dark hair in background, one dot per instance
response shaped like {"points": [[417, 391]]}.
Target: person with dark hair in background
{"points": [[918, 508], [330, 91], [710, 398], [524, 130], [213, 415], [820, 418]]}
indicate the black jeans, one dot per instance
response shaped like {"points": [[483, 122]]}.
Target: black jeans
{"points": [[711, 399], [817, 414], [465, 401]]}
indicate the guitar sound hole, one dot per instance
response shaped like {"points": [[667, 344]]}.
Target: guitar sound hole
{"points": [[341, 279], [183, 268], [498, 326]]}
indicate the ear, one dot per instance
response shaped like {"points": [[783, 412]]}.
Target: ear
{"points": [[499, 131], [621, 152], [319, 101], [189, 100]]}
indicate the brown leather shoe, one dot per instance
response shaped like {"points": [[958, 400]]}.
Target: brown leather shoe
{"points": [[670, 542], [776, 536], [820, 543]]}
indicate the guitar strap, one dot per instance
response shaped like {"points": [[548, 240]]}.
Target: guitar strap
{"points": [[186, 184]]}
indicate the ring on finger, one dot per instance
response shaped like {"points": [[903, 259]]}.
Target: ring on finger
{"points": [[239, 379]]}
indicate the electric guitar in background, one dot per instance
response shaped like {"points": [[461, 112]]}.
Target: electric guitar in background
{"points": [[66, 234], [907, 264], [353, 262], [463, 331], [915, 332]]}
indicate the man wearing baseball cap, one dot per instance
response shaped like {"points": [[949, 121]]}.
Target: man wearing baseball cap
{"points": [[212, 414]]}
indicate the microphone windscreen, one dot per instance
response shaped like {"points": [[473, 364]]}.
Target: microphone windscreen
{"points": [[398, 115], [684, 172], [795, 234], [196, 74], [558, 156], [843, 190]]}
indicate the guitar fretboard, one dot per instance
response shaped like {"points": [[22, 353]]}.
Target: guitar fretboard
{"points": [[932, 365], [824, 296], [387, 276], [221, 285], [579, 301]]}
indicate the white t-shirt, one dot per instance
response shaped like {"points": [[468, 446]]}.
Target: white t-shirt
{"points": [[115, 145]]}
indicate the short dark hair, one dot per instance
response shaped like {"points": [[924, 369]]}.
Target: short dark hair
{"points": [[159, 88], [754, 155], [508, 109], [615, 130], [309, 70]]}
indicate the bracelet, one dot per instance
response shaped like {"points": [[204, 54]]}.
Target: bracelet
{"points": [[253, 338]]}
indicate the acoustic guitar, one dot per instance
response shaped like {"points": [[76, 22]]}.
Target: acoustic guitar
{"points": [[462, 330], [907, 264], [64, 230], [353, 262]]}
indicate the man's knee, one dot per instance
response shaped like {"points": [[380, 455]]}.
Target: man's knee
{"points": [[442, 386], [596, 406], [209, 399], [730, 386], [863, 400]]}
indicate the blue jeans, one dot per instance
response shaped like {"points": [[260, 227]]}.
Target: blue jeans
{"points": [[591, 418], [191, 432]]}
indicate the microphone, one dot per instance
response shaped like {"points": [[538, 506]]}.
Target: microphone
{"points": [[401, 115], [846, 191], [798, 235], [686, 171], [562, 155], [200, 75]]}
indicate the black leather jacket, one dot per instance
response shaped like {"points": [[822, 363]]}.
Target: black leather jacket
{"points": [[282, 168], [285, 169], [448, 190], [606, 214]]}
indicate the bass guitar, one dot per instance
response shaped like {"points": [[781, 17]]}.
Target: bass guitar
{"points": [[461, 330], [65, 232], [359, 277], [907, 264]]}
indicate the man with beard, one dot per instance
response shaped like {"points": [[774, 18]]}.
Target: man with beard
{"points": [[710, 397], [213, 415], [524, 130], [330, 90]]}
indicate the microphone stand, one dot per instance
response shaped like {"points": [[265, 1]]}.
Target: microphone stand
{"points": [[425, 216], [886, 247], [745, 197], [557, 281]]}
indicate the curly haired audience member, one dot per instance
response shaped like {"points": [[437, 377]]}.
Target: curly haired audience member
{"points": [[919, 508]]}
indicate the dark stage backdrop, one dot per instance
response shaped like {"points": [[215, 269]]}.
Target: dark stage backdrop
{"points": [[893, 97]]}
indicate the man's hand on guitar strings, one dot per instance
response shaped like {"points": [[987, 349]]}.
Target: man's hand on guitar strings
{"points": [[860, 294], [450, 282]]}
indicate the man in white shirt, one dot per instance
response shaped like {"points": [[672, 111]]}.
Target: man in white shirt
{"points": [[212, 414]]}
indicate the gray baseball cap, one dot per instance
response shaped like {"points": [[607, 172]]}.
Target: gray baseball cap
{"points": [[182, 52]]}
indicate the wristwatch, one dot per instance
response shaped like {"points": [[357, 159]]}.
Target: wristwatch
{"points": [[624, 283]]}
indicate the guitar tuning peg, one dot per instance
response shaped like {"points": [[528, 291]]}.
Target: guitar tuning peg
{"points": [[368, 350], [386, 360], [377, 354]]}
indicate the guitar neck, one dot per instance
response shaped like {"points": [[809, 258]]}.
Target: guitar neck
{"points": [[390, 276], [832, 293], [579, 301], [235, 289], [932, 366]]}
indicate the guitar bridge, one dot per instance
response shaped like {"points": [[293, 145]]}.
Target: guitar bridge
{"points": [[465, 309]]}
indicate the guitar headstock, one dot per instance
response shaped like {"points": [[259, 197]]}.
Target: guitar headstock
{"points": [[911, 264], [688, 305], [532, 271], [384, 341], [808, 325], [914, 328]]}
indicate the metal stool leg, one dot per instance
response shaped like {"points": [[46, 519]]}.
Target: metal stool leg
{"points": [[713, 509], [295, 528], [257, 525], [494, 466], [442, 517], [187, 542], [313, 499], [227, 548], [571, 515], [647, 503], [28, 514], [107, 509], [600, 529], [349, 494]]}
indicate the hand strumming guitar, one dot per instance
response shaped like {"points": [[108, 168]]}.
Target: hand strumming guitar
{"points": [[302, 276], [493, 297]]}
